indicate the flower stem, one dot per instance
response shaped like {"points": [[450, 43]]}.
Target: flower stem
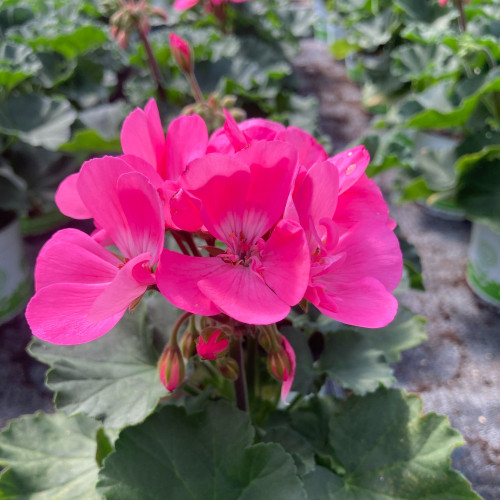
{"points": [[153, 66], [173, 336], [178, 240], [240, 384], [198, 95], [188, 238], [463, 20]]}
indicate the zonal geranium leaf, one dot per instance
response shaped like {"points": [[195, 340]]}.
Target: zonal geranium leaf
{"points": [[49, 457], [113, 379], [387, 449], [208, 454], [37, 120]]}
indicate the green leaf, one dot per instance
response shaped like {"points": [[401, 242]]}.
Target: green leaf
{"points": [[17, 63], [479, 186], [49, 457], [204, 455], [389, 450], [359, 358], [55, 70], [113, 379], [37, 120], [351, 361]]}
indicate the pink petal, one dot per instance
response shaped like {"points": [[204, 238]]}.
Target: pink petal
{"points": [[142, 136], [139, 165], [68, 199], [372, 250], [351, 165], [309, 149], [119, 294], [143, 216], [361, 202], [242, 294], [221, 183], [177, 277], [187, 139], [365, 303], [260, 129], [185, 211], [184, 4], [58, 314], [286, 262], [129, 210], [316, 199], [287, 384], [71, 256], [234, 134], [273, 166]]}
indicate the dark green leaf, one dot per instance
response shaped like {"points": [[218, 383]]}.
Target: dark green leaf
{"points": [[389, 450], [17, 62], [203, 455], [37, 120]]}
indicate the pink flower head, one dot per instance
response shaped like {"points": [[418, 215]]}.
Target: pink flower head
{"points": [[181, 52], [82, 289], [265, 267], [354, 268], [213, 347], [171, 368], [160, 159]]}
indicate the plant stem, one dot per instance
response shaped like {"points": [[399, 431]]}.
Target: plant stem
{"points": [[153, 66], [198, 95], [463, 20], [178, 240], [188, 237], [175, 329], [240, 384]]}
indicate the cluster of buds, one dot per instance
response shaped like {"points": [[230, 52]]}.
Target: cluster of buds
{"points": [[280, 356], [128, 16], [211, 109]]}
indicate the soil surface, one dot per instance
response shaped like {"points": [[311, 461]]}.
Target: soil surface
{"points": [[457, 371]]}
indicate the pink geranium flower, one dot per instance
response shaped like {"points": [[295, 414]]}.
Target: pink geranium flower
{"points": [[82, 289], [214, 346], [144, 143], [354, 269], [265, 266]]}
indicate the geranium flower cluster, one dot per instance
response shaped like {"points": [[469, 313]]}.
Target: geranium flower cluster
{"points": [[264, 220]]}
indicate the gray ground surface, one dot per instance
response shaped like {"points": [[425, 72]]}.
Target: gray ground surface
{"points": [[457, 371]]}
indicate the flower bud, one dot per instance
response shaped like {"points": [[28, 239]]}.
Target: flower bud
{"points": [[171, 368], [228, 368], [212, 344], [188, 344], [181, 51], [279, 365]]}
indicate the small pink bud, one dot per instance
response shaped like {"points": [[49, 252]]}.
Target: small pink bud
{"points": [[213, 345], [279, 365], [171, 368], [181, 52]]}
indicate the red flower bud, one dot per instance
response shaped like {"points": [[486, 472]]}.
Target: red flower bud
{"points": [[181, 52], [228, 368], [212, 344], [171, 368]]}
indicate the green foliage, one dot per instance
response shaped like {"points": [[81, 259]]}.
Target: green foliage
{"points": [[114, 378], [193, 456], [49, 457]]}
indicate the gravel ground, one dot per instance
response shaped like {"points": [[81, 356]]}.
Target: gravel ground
{"points": [[457, 371]]}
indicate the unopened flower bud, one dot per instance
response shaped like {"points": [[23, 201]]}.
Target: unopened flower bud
{"points": [[228, 368], [279, 365], [188, 344], [171, 368], [212, 344], [181, 51], [269, 338]]}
